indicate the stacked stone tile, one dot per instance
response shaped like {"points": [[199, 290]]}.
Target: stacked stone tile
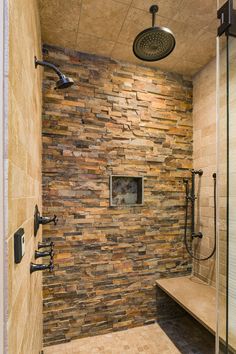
{"points": [[117, 119]]}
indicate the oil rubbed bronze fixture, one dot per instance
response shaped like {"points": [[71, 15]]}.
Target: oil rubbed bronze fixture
{"points": [[191, 196], [45, 245], [40, 254], [36, 267], [63, 81], [154, 43], [42, 220]]}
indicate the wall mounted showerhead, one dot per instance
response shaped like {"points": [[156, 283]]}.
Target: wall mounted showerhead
{"points": [[63, 81], [154, 43]]}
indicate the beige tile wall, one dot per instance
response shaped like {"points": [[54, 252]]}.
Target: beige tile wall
{"points": [[204, 156], [204, 117], [24, 158]]}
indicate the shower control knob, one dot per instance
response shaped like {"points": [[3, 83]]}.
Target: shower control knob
{"points": [[45, 245], [42, 220], [37, 267], [46, 220], [196, 172], [39, 254], [197, 235]]}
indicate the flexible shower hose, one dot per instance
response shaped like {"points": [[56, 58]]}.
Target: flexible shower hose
{"points": [[186, 225]]}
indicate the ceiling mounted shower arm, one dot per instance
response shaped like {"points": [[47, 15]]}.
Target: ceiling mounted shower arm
{"points": [[154, 43], [153, 10]]}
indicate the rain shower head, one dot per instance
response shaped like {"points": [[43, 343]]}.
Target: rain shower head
{"points": [[154, 43], [63, 81]]}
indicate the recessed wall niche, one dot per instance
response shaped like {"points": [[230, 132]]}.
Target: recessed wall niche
{"points": [[126, 190]]}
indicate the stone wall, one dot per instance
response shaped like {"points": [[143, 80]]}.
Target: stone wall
{"points": [[24, 176], [117, 119]]}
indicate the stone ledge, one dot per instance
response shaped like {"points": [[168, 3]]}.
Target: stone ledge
{"points": [[198, 299], [194, 296]]}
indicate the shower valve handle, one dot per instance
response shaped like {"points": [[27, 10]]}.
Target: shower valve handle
{"points": [[42, 220], [39, 254], [196, 172], [46, 220], [45, 245], [36, 267], [197, 235]]}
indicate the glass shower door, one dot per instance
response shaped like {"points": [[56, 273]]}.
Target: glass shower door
{"points": [[231, 317], [226, 180]]}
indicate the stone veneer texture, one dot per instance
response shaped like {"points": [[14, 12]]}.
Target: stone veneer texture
{"points": [[118, 119], [24, 322]]}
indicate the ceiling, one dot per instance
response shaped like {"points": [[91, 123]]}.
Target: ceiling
{"points": [[108, 28]]}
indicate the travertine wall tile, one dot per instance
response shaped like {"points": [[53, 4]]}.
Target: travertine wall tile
{"points": [[24, 176], [204, 157]]}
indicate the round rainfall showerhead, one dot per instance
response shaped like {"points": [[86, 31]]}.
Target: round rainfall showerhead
{"points": [[154, 43], [64, 82]]}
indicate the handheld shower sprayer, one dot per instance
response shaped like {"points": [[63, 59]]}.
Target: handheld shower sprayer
{"points": [[190, 196], [63, 81]]}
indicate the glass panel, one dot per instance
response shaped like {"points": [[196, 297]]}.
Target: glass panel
{"points": [[226, 197], [222, 193], [232, 194]]}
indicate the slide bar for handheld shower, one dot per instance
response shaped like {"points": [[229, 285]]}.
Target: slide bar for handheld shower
{"points": [[192, 198]]}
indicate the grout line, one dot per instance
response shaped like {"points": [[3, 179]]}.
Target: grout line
{"points": [[122, 26], [77, 32]]}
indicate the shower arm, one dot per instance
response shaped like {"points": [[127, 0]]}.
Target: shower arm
{"points": [[153, 9], [49, 65], [153, 19]]}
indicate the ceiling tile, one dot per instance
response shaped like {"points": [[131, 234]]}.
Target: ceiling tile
{"points": [[93, 45], [212, 26], [196, 13], [59, 22], [168, 62], [128, 2], [167, 8], [109, 27], [136, 21], [124, 52], [165, 65], [204, 49], [221, 3], [185, 67], [183, 32], [102, 18]]}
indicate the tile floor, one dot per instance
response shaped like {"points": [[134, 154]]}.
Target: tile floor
{"points": [[149, 339], [182, 335]]}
